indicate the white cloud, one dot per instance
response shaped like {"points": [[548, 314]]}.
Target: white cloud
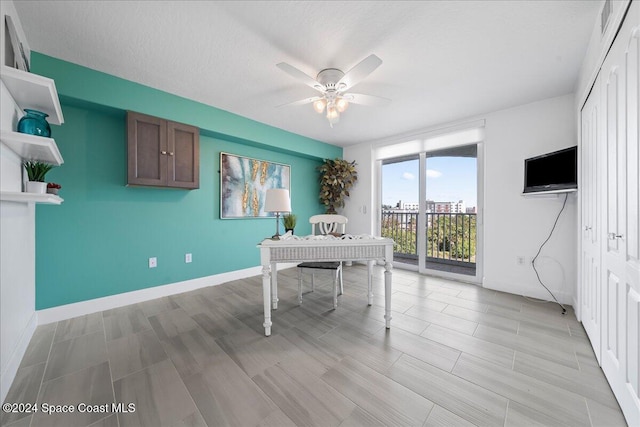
{"points": [[433, 173], [408, 176]]}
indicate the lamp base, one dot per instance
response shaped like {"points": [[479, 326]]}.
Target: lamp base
{"points": [[277, 235]]}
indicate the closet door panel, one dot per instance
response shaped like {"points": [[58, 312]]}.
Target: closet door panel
{"points": [[614, 98], [613, 256], [632, 233], [590, 289], [613, 336], [633, 154], [633, 347], [620, 250]]}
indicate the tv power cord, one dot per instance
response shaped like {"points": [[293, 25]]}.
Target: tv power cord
{"points": [[533, 261]]}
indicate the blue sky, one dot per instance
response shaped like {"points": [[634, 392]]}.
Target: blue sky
{"points": [[448, 179]]}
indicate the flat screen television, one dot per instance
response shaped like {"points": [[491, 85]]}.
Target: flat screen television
{"points": [[552, 172]]}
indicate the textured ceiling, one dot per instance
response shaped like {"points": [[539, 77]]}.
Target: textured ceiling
{"points": [[442, 60]]}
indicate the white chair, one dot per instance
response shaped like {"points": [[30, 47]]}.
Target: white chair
{"points": [[324, 224]]}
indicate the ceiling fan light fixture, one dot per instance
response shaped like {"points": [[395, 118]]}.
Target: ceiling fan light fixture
{"points": [[332, 115], [333, 85], [319, 105], [341, 105]]}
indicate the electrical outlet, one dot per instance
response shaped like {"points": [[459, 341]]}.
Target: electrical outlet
{"points": [[520, 260], [153, 262], [187, 258]]}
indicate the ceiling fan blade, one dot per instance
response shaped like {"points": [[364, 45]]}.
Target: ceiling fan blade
{"points": [[358, 98], [359, 72], [299, 75], [301, 102]]}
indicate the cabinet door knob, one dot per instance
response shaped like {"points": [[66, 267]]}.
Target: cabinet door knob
{"points": [[163, 152], [587, 228], [171, 153], [614, 236]]}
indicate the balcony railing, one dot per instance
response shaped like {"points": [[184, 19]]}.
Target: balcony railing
{"points": [[451, 237]]}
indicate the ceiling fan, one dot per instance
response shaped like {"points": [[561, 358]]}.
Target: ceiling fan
{"points": [[333, 85]]}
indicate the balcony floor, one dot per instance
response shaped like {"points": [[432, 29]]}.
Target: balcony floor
{"points": [[469, 270]]}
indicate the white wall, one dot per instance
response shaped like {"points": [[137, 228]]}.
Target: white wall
{"points": [[513, 224], [359, 206], [17, 287], [18, 318]]}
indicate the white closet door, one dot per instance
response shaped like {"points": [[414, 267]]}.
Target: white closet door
{"points": [[590, 285], [632, 199], [620, 265]]}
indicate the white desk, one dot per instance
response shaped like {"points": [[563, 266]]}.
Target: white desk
{"points": [[323, 248]]}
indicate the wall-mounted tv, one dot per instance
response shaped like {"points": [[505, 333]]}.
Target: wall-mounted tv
{"points": [[552, 172]]}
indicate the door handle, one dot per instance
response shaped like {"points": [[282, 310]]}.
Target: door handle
{"points": [[163, 153], [171, 153], [587, 228], [614, 236]]}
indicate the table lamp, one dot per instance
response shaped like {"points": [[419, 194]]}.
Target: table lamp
{"points": [[277, 200]]}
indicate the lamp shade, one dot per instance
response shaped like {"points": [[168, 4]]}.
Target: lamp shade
{"points": [[277, 200]]}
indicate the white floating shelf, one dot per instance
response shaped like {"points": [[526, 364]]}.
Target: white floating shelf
{"points": [[33, 91], [11, 196], [31, 147]]}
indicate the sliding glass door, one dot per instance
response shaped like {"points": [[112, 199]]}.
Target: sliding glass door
{"points": [[451, 210], [430, 207], [399, 218]]}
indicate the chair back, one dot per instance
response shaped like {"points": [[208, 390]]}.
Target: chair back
{"points": [[328, 223]]}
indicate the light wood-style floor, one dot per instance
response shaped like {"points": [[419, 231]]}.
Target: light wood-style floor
{"points": [[456, 355]]}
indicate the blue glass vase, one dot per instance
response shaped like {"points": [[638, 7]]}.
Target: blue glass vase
{"points": [[34, 123]]}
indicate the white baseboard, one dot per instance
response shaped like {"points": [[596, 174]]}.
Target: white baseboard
{"points": [[531, 291], [9, 374], [69, 311], [576, 308]]}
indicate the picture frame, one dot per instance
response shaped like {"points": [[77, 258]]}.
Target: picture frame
{"points": [[244, 182], [19, 56]]}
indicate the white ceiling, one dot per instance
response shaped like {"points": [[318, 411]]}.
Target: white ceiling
{"points": [[442, 60]]}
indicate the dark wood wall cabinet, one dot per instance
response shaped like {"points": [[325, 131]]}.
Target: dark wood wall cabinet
{"points": [[162, 153]]}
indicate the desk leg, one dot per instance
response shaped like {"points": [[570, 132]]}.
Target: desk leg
{"points": [[274, 286], [370, 282], [266, 296], [387, 293]]}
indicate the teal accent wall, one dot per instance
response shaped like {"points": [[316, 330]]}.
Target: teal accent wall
{"points": [[86, 87], [97, 243]]}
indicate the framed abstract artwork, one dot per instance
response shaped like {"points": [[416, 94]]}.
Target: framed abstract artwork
{"points": [[244, 182]]}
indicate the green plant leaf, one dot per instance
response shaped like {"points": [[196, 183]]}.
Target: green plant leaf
{"points": [[36, 170]]}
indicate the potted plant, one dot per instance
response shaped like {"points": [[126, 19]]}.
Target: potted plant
{"points": [[336, 178], [36, 172], [289, 222], [52, 188]]}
